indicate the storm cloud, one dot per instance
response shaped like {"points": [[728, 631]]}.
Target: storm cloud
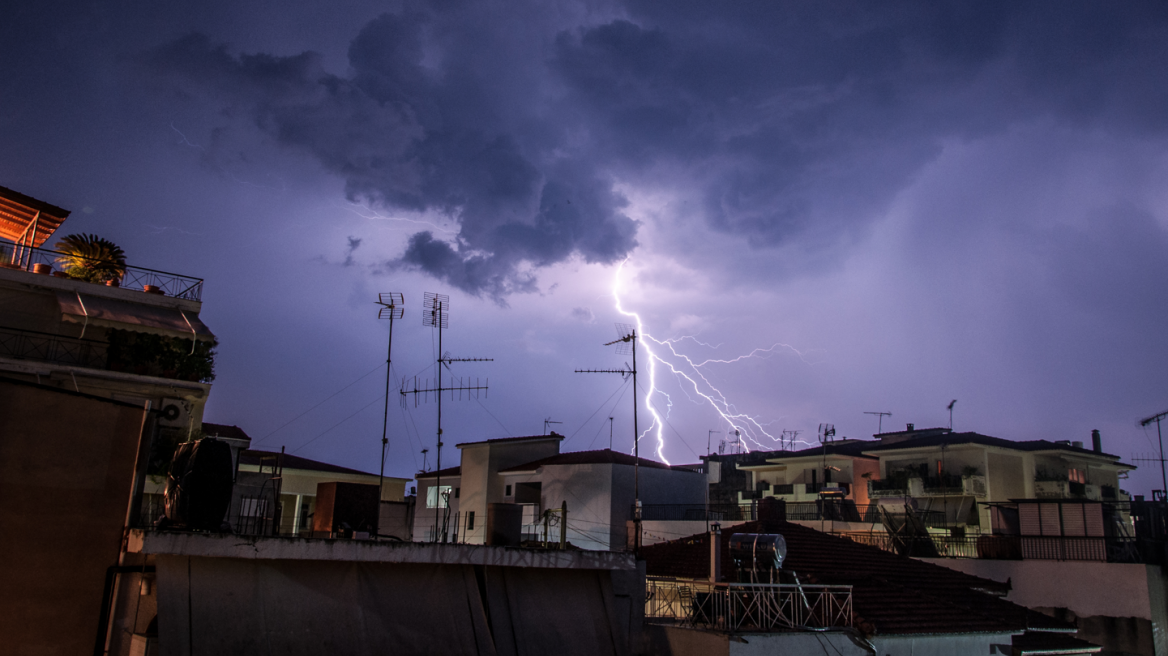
{"points": [[779, 120]]}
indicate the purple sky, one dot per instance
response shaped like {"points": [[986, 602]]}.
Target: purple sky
{"points": [[898, 205]]}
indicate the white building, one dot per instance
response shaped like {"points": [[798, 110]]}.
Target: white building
{"points": [[596, 486]]}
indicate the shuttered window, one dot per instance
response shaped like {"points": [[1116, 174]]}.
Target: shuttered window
{"points": [[1049, 515], [1074, 523]]}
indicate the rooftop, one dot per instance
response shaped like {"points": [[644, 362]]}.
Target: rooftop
{"points": [[949, 439], [528, 438], [600, 457], [891, 594], [223, 430], [252, 457], [449, 472]]}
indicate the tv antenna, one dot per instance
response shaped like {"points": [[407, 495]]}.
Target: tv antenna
{"points": [[1160, 437], [626, 343], [826, 433], [951, 404], [392, 308], [793, 433], [880, 420], [549, 421], [708, 438], [436, 314]]}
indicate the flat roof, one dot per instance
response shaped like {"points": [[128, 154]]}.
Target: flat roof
{"points": [[528, 438]]}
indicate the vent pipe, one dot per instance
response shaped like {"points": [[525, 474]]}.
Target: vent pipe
{"points": [[1096, 441], [715, 552], [911, 427]]}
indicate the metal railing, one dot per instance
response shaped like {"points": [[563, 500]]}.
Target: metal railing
{"points": [[172, 284], [1008, 547], [839, 511], [46, 347], [748, 606]]}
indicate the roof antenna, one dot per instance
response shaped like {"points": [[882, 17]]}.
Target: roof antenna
{"points": [[391, 308], [1160, 437], [951, 404], [880, 420], [626, 343], [436, 314], [549, 421]]}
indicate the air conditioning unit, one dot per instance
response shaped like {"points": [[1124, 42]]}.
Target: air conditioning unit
{"points": [[174, 413]]}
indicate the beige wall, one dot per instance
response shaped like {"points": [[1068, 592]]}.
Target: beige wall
{"points": [[481, 482]]}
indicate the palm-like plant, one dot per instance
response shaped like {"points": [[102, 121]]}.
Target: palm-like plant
{"points": [[92, 258]]}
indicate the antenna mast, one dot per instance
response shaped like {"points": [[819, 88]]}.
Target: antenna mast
{"points": [[880, 420], [951, 404], [391, 308], [435, 314], [626, 342], [1160, 436], [549, 421]]}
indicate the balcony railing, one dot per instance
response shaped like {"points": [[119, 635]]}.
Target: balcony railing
{"points": [[45, 347], [1011, 547], [26, 258], [748, 607], [827, 510]]}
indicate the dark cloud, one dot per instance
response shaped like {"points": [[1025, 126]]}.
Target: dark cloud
{"points": [[781, 121]]}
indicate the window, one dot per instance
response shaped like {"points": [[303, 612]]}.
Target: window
{"points": [[456, 491], [432, 496], [507, 492], [1077, 475], [470, 520]]}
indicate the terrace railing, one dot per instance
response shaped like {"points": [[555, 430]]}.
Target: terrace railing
{"points": [[796, 511], [748, 607], [27, 258], [46, 347]]}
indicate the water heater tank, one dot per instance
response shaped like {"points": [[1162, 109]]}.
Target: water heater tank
{"points": [[758, 551]]}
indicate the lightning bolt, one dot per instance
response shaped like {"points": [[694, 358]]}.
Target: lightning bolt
{"points": [[745, 427]]}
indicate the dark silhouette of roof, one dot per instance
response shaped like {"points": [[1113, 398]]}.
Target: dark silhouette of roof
{"points": [[449, 471], [553, 435], [252, 457], [599, 457], [853, 448], [891, 594], [223, 430], [984, 440]]}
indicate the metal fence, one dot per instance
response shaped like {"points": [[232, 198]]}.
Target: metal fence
{"points": [[745, 606], [1007, 547], [46, 347], [839, 511], [171, 284]]}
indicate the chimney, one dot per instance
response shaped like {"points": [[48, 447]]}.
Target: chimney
{"points": [[1096, 441], [911, 427], [715, 552]]}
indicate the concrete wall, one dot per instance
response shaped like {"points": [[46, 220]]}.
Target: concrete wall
{"points": [[587, 489], [209, 606], [424, 517], [67, 469], [481, 482], [664, 486], [1087, 593]]}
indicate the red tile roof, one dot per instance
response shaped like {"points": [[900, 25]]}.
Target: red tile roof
{"points": [[891, 594], [601, 457]]}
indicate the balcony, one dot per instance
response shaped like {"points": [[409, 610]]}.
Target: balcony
{"points": [[139, 354], [734, 607], [41, 260]]}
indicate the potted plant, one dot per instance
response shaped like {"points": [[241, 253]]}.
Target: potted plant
{"points": [[91, 258]]}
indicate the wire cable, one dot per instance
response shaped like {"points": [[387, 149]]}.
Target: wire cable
{"points": [[377, 368], [363, 408]]}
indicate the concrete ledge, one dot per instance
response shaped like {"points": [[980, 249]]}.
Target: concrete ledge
{"points": [[237, 546]]}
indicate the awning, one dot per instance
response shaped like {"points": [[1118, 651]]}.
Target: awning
{"points": [[125, 315], [26, 220]]}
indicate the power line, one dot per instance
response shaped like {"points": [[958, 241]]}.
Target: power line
{"points": [[363, 408], [377, 368]]}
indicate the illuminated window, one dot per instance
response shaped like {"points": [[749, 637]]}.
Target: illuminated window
{"points": [[1076, 475], [432, 496]]}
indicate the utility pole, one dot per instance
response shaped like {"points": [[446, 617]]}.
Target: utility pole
{"points": [[625, 343], [391, 308], [1160, 437], [435, 314]]}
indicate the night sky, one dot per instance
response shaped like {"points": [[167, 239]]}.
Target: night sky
{"points": [[887, 206]]}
